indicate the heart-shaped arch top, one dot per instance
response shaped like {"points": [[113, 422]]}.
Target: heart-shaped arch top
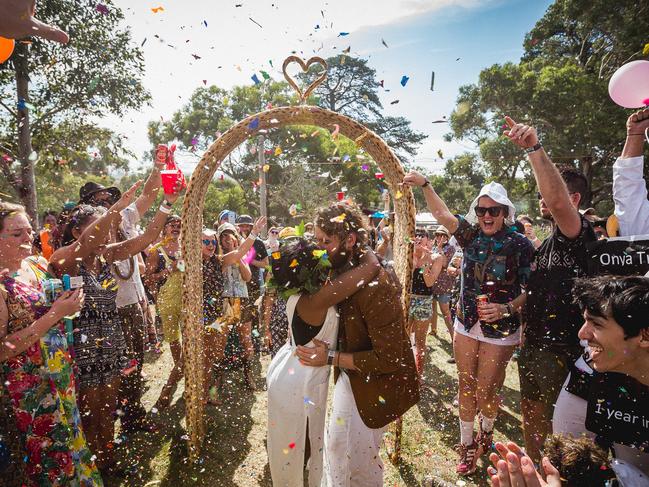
{"points": [[305, 67]]}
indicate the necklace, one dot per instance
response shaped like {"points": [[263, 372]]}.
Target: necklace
{"points": [[129, 273]]}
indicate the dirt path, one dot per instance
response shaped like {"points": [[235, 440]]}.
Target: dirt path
{"points": [[235, 452]]}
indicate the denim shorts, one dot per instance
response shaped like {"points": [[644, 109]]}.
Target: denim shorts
{"points": [[442, 298], [421, 307]]}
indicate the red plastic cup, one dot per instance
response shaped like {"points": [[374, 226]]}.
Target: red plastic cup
{"points": [[340, 195], [169, 179]]}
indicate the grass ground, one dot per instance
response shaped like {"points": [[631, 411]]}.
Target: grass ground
{"points": [[235, 455]]}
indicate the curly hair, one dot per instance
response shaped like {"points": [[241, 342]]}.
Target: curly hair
{"points": [[341, 220], [580, 461], [77, 218]]}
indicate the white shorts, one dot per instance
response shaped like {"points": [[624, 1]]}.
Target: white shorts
{"points": [[476, 333]]}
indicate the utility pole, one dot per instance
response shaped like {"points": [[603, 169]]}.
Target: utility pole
{"points": [[262, 181]]}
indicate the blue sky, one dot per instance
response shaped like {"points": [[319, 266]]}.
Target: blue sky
{"points": [[422, 35]]}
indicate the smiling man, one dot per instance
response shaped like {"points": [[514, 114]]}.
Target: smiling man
{"points": [[615, 311]]}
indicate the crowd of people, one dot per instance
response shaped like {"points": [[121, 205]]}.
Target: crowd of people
{"points": [[85, 297]]}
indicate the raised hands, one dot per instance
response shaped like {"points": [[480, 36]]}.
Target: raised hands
{"points": [[259, 225], [128, 197], [413, 178], [638, 123], [520, 134], [513, 468], [17, 21]]}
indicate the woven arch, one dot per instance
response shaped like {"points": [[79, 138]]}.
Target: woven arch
{"points": [[192, 226]]}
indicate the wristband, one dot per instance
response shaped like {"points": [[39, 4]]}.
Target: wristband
{"points": [[253, 235], [330, 357], [167, 203], [165, 210], [534, 148]]}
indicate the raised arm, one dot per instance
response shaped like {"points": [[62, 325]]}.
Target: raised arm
{"points": [[133, 246], [243, 249], [151, 188], [629, 186], [551, 185], [434, 203], [66, 259]]}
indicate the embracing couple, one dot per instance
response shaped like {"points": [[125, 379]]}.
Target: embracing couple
{"points": [[344, 312]]}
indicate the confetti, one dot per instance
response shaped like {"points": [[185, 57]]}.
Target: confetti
{"points": [[338, 219], [276, 255], [293, 263], [381, 400], [102, 9], [378, 175], [404, 80], [254, 124], [394, 102], [398, 195], [266, 168], [343, 34], [278, 150], [255, 22], [155, 10], [384, 43], [255, 79]]}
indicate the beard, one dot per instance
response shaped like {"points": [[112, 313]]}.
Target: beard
{"points": [[340, 258]]}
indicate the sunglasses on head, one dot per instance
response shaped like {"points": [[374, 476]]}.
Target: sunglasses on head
{"points": [[207, 241], [492, 210]]}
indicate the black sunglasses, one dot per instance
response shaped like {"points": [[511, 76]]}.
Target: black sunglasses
{"points": [[207, 241], [492, 210], [274, 232]]}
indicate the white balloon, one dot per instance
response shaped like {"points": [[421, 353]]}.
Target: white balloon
{"points": [[629, 85]]}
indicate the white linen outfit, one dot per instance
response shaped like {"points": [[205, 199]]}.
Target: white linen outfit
{"points": [[352, 449], [297, 396]]}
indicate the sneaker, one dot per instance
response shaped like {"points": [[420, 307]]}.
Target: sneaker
{"points": [[451, 360], [468, 458]]}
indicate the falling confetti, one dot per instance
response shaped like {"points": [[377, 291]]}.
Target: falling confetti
{"points": [[404, 80], [255, 79], [102, 9], [384, 43], [338, 219], [343, 34], [155, 10]]}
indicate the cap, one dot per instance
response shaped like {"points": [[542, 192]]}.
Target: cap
{"points": [[227, 227], [245, 220], [223, 214]]}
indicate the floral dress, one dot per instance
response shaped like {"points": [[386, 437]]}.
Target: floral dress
{"points": [[40, 385]]}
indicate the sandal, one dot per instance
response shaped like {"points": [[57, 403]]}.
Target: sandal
{"points": [[469, 455]]}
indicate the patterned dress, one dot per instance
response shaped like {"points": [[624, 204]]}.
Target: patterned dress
{"points": [[278, 325], [41, 387], [99, 344]]}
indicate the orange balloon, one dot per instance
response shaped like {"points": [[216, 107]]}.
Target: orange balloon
{"points": [[6, 48]]}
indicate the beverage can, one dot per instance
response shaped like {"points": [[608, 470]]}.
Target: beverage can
{"points": [[482, 299], [161, 153]]}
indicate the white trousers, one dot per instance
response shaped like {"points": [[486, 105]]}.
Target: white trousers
{"points": [[352, 456]]}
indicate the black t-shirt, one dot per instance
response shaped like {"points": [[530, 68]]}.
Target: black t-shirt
{"points": [[551, 316], [618, 410], [261, 253], [303, 333]]}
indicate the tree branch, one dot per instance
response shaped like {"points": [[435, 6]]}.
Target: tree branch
{"points": [[15, 114]]}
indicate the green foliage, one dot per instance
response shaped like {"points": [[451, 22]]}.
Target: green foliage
{"points": [[560, 87], [306, 166], [98, 73]]}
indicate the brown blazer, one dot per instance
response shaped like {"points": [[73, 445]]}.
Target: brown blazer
{"points": [[372, 329]]}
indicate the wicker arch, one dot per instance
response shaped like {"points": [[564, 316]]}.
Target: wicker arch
{"points": [[192, 225]]}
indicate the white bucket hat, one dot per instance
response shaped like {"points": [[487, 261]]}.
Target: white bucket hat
{"points": [[498, 193]]}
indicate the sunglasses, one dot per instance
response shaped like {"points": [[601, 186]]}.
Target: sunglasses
{"points": [[492, 210], [274, 233], [207, 241]]}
